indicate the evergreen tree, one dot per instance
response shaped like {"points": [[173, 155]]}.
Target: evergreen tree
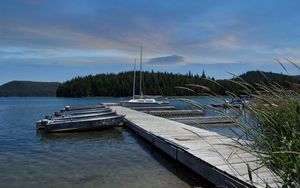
{"points": [[161, 83], [203, 74]]}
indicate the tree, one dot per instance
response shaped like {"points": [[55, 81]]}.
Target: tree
{"points": [[203, 74], [159, 83]]}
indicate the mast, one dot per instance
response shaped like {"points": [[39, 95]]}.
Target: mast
{"points": [[133, 89], [141, 68]]}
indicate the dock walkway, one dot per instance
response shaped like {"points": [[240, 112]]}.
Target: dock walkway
{"points": [[209, 154]]}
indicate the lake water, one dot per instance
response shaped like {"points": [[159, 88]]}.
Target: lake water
{"points": [[110, 158]]}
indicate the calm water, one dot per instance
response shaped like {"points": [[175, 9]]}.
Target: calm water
{"points": [[110, 158]]}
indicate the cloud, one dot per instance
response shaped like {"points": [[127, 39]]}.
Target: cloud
{"points": [[226, 42], [167, 60], [74, 32]]}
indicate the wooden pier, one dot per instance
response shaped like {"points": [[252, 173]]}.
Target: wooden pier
{"points": [[209, 154], [206, 121], [175, 113], [153, 108]]}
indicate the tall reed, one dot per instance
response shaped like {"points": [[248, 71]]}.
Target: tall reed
{"points": [[276, 129]]}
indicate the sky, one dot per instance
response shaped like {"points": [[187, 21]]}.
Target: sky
{"points": [[55, 40]]}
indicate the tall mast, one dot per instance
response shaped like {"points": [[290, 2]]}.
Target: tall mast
{"points": [[133, 89], [141, 68]]}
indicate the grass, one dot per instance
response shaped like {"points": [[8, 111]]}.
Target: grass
{"points": [[275, 131], [277, 134]]}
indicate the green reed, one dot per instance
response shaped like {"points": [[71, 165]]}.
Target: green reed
{"points": [[275, 134]]}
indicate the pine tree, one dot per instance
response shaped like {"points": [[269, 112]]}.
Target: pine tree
{"points": [[203, 74]]}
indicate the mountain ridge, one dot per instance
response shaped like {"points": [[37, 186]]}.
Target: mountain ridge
{"points": [[20, 88]]}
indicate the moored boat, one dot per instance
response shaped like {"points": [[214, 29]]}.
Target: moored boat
{"points": [[89, 117], [142, 101], [78, 112], [85, 107], [87, 124], [82, 116], [41, 123]]}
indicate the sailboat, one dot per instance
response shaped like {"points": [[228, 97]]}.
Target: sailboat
{"points": [[142, 100]]}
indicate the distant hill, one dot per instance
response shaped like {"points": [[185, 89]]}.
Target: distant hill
{"points": [[259, 76], [28, 89]]}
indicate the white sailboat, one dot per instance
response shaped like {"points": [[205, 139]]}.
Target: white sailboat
{"points": [[142, 100]]}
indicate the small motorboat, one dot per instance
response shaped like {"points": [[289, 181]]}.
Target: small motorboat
{"points": [[41, 123], [86, 107], [81, 116], [78, 112], [235, 103], [86, 124]]}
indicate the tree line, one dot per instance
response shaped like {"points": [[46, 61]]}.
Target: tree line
{"points": [[163, 83]]}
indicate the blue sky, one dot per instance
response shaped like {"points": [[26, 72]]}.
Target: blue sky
{"points": [[55, 40]]}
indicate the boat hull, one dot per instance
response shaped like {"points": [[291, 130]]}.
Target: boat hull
{"points": [[86, 107]]}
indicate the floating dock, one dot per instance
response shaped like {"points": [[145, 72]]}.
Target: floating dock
{"points": [[209, 154], [206, 121], [176, 113], [153, 108]]}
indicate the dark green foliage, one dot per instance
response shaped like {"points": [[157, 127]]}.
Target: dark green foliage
{"points": [[279, 135], [155, 83], [203, 74], [118, 85], [273, 128], [28, 89]]}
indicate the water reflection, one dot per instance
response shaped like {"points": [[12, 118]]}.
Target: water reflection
{"points": [[111, 133], [181, 171], [120, 135]]}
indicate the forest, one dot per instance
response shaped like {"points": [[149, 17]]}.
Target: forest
{"points": [[166, 84]]}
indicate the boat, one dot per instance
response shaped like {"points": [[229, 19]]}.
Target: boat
{"points": [[86, 124], [86, 107], [238, 102], [142, 100], [149, 102], [235, 103], [41, 123], [78, 112], [78, 118]]}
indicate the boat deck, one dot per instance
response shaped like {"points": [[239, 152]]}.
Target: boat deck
{"points": [[88, 119], [208, 153]]}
